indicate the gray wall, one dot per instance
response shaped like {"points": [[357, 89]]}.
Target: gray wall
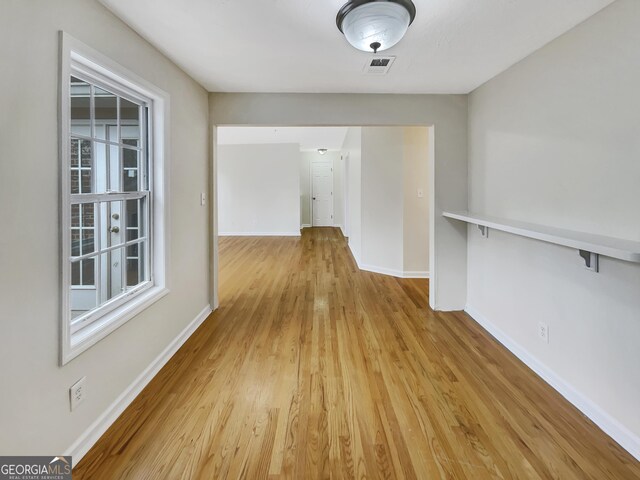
{"points": [[382, 198], [555, 140], [34, 403], [448, 114], [395, 222], [416, 210]]}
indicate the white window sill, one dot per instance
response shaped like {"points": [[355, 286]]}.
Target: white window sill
{"points": [[99, 329]]}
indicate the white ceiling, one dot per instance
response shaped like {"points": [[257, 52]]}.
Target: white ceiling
{"points": [[309, 138], [453, 46]]}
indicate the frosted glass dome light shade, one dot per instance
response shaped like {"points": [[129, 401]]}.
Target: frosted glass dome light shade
{"points": [[375, 25]]}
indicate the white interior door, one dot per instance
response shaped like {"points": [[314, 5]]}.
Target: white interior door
{"points": [[322, 194]]}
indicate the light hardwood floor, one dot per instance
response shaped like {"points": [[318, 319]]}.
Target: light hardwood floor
{"points": [[314, 369]]}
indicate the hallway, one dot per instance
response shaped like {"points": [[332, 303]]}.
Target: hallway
{"points": [[311, 368]]}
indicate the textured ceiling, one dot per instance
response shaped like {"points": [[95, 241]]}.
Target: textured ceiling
{"points": [[453, 46]]}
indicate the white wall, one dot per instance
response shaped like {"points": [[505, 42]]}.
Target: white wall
{"points": [[34, 403], [339, 204], [416, 209], [352, 149], [555, 140], [259, 189], [305, 189], [448, 115], [382, 199]]}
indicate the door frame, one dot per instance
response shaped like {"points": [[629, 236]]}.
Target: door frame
{"points": [[432, 160], [345, 191]]}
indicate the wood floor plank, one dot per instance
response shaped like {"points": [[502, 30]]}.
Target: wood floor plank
{"points": [[312, 369]]}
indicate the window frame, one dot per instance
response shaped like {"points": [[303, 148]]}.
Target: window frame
{"points": [[78, 59]]}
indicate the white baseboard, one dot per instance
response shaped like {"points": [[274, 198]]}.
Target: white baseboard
{"points": [[259, 234], [305, 225], [612, 427], [382, 270], [415, 274], [388, 271], [344, 231], [394, 273], [353, 254], [90, 436]]}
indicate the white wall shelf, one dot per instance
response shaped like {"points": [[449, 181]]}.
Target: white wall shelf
{"points": [[588, 245]]}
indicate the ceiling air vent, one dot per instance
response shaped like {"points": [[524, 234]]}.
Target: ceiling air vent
{"points": [[378, 65]]}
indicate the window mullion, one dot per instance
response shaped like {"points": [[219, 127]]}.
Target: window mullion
{"points": [[81, 239], [124, 222], [144, 230], [109, 249], [80, 211], [98, 267], [94, 184], [107, 197], [105, 141], [143, 179], [144, 168], [142, 248], [92, 132], [120, 150], [123, 204]]}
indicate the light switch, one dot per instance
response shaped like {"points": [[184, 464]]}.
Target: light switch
{"points": [[203, 199], [420, 193]]}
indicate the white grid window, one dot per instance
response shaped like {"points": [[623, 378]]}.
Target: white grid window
{"points": [[113, 237]]}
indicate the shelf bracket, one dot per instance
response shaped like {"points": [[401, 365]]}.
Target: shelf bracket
{"points": [[484, 231], [591, 260]]}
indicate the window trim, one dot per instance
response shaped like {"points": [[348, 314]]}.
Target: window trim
{"points": [[94, 64]]}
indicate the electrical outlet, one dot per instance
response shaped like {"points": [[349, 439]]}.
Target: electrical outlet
{"points": [[77, 393], [420, 193], [543, 332]]}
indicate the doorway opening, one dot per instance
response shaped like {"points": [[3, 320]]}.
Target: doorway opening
{"points": [[372, 183]]}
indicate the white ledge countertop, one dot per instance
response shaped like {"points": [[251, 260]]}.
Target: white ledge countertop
{"points": [[627, 250]]}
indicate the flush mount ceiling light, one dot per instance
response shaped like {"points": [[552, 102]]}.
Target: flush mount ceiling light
{"points": [[322, 151], [375, 24]]}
